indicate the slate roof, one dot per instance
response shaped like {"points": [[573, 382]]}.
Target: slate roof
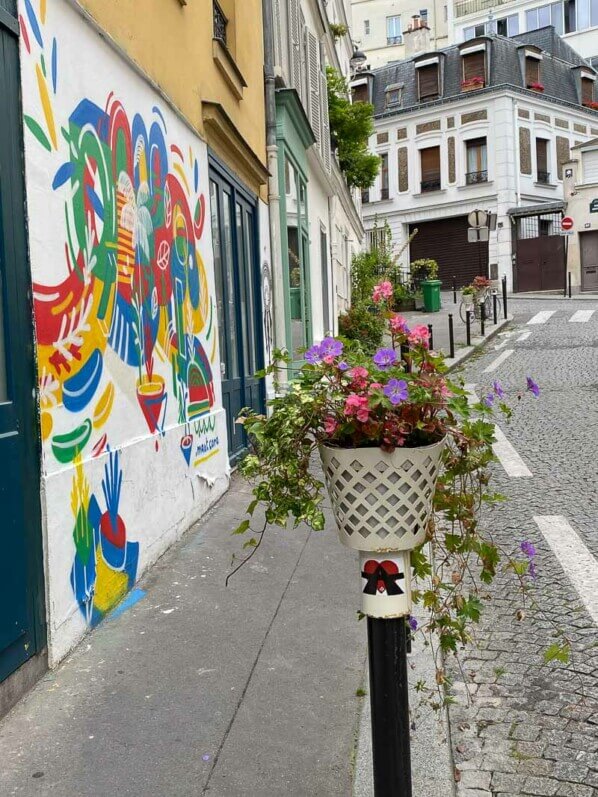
{"points": [[558, 73]]}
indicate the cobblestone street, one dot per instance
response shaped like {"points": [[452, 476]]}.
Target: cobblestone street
{"points": [[529, 728]]}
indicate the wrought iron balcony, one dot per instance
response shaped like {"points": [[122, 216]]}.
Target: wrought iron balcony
{"points": [[394, 40], [220, 23], [544, 177], [472, 178], [432, 184], [465, 7]]}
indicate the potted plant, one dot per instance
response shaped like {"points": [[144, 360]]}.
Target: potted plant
{"points": [[592, 105], [425, 272], [397, 441], [472, 83]]}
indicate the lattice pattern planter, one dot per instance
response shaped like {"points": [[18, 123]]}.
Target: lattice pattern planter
{"points": [[381, 501]]}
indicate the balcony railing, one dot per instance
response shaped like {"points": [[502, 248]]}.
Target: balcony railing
{"points": [[432, 184], [220, 22], [465, 7], [544, 177], [472, 178], [394, 40]]}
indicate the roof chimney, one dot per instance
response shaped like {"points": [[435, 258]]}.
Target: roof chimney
{"points": [[417, 37]]}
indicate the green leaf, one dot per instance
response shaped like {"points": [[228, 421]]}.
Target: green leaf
{"points": [[558, 652], [242, 527], [38, 132], [252, 543]]}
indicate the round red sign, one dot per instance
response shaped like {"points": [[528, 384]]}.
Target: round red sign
{"points": [[566, 222]]}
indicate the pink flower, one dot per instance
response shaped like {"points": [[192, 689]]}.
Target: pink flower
{"points": [[359, 372], [358, 406], [382, 291], [329, 359], [398, 325], [330, 426], [419, 336], [375, 386], [444, 391]]}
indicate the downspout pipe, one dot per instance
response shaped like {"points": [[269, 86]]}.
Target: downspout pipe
{"points": [[278, 299]]}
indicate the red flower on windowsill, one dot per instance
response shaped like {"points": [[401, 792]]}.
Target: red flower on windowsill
{"points": [[473, 82], [591, 104], [535, 86]]}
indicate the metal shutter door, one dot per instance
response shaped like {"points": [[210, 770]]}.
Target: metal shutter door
{"points": [[445, 241]]}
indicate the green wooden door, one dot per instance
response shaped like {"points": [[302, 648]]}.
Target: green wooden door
{"points": [[22, 632]]}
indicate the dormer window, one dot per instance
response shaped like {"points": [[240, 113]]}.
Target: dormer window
{"points": [[360, 91], [587, 91], [533, 62], [394, 95], [428, 79], [473, 67]]}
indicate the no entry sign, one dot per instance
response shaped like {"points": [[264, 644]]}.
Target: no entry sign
{"points": [[567, 223]]}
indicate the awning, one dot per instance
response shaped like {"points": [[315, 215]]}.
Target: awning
{"points": [[537, 210]]}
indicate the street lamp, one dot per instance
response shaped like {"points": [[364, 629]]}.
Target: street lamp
{"points": [[358, 59]]}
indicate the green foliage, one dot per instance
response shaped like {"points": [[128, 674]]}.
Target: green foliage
{"points": [[360, 324], [351, 126], [338, 30], [424, 269]]}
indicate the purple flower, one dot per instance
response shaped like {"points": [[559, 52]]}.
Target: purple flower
{"points": [[412, 623], [532, 571], [528, 549], [489, 400], [384, 358], [396, 390], [314, 354], [497, 387], [331, 347], [344, 366], [533, 387]]}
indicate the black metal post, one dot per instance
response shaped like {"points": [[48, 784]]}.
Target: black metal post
{"points": [[495, 308], [468, 326], [451, 337], [504, 295], [405, 356], [454, 290], [569, 283], [431, 333], [483, 318], [389, 698]]}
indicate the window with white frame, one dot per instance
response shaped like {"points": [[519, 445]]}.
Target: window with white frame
{"points": [[393, 30], [474, 31], [541, 17], [394, 95]]}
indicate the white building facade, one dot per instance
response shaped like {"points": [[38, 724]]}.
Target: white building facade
{"points": [[379, 26], [499, 148]]}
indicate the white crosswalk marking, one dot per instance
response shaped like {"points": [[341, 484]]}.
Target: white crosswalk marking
{"points": [[574, 557], [514, 466], [524, 336], [504, 355], [581, 316], [541, 317]]}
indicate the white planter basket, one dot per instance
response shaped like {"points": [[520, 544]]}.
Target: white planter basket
{"points": [[382, 501]]}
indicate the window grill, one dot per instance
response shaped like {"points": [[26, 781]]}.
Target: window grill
{"points": [[220, 23], [538, 226], [472, 178]]}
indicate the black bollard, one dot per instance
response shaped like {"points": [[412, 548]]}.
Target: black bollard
{"points": [[468, 326], [431, 333], [504, 295], [451, 337], [483, 318], [389, 699], [405, 356], [454, 290], [495, 307], [569, 283]]}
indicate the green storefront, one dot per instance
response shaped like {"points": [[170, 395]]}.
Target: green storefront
{"points": [[294, 137]]}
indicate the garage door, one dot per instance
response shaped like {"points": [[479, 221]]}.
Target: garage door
{"points": [[445, 241]]}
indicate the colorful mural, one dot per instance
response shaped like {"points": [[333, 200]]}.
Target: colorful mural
{"points": [[125, 326]]}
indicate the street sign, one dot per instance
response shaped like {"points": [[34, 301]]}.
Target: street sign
{"points": [[477, 218], [567, 223], [594, 206], [566, 232], [477, 234]]}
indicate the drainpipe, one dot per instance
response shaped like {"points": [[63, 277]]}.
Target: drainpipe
{"points": [[278, 302], [516, 142]]}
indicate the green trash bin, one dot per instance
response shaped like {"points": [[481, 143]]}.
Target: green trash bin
{"points": [[431, 292]]}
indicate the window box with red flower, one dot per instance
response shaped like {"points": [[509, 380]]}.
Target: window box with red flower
{"points": [[473, 83], [592, 105], [535, 86]]}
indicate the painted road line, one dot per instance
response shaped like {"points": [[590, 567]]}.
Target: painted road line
{"points": [[504, 355], [576, 560], [581, 316], [512, 463], [541, 317], [524, 336], [514, 466], [503, 342]]}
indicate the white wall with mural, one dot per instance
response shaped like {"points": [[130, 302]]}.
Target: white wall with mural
{"points": [[134, 438]]}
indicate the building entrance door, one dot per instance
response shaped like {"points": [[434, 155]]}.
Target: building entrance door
{"points": [[237, 273], [588, 242], [22, 629], [540, 253]]}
